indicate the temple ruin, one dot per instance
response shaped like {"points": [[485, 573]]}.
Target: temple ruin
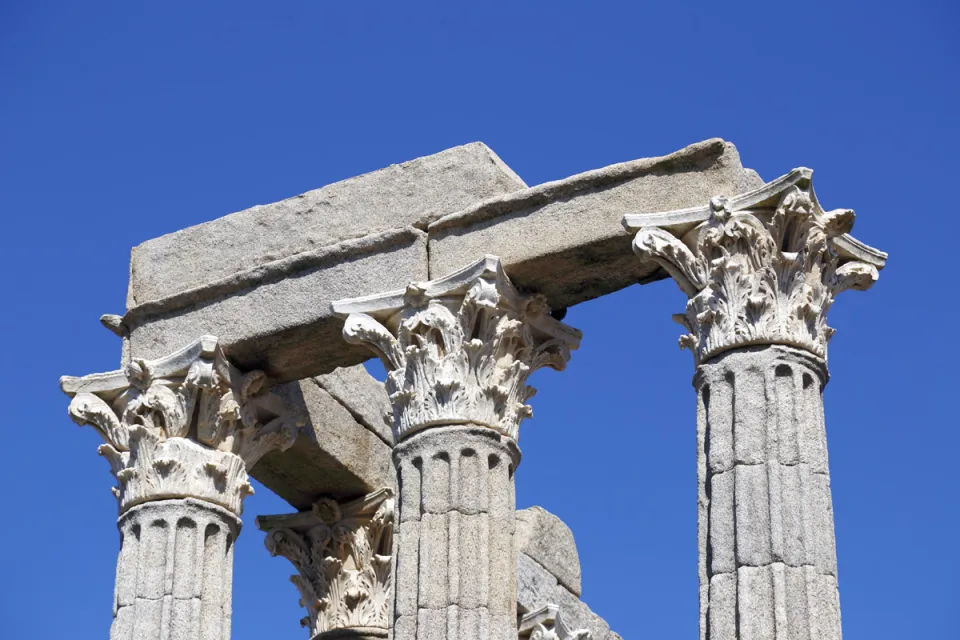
{"points": [[243, 347]]}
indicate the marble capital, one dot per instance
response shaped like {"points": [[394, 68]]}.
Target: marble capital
{"points": [[459, 349], [342, 553], [189, 425], [759, 268], [546, 623]]}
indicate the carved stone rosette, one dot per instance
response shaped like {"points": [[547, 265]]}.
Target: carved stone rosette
{"points": [[459, 350], [185, 426], [759, 268], [343, 553], [546, 623]]}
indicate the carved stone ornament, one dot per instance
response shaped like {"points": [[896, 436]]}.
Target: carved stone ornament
{"points": [[762, 267], [546, 624], [459, 349], [189, 425], [342, 553]]}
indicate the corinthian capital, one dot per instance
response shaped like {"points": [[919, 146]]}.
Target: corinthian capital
{"points": [[187, 425], [459, 349], [546, 623], [762, 267], [342, 553]]}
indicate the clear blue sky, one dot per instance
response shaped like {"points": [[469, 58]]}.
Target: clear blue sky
{"points": [[122, 121]]}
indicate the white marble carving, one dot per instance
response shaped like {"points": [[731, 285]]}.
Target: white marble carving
{"points": [[185, 426], [546, 623], [342, 553], [759, 268], [459, 349]]}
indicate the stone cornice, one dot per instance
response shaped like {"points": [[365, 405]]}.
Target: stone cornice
{"points": [[187, 425], [459, 349], [343, 553], [762, 267]]}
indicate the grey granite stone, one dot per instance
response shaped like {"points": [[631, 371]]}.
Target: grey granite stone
{"points": [[563, 239], [413, 193], [767, 553], [277, 317], [454, 567], [363, 396], [174, 571], [537, 587], [546, 539], [262, 279], [334, 455]]}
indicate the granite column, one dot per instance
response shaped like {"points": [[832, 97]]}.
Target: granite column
{"points": [[458, 352], [761, 270]]}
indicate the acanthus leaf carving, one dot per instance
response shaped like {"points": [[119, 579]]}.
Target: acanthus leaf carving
{"points": [[459, 349], [342, 553], [546, 623], [189, 425], [761, 268]]}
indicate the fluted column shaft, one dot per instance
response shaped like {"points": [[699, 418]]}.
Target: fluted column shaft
{"points": [[179, 433], [458, 352], [456, 562], [768, 567], [174, 572]]}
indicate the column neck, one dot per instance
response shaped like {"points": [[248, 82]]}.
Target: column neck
{"points": [[175, 571], [762, 355]]}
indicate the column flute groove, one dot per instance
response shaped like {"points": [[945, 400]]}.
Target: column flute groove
{"points": [[458, 352], [761, 270], [180, 433]]}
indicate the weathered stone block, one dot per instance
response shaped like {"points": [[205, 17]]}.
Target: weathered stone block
{"points": [[277, 317], [263, 279], [333, 455], [564, 238], [413, 194], [545, 538], [363, 396], [537, 587]]}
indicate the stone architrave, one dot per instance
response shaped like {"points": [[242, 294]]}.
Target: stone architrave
{"points": [[458, 352], [180, 434], [761, 271], [343, 553], [547, 623]]}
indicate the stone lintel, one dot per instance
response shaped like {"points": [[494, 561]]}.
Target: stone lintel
{"points": [[561, 239], [411, 194], [277, 317]]}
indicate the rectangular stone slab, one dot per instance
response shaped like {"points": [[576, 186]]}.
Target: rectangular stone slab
{"points": [[262, 279], [277, 318], [413, 193], [334, 455], [564, 239]]}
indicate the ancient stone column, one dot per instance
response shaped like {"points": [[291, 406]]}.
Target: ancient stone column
{"points": [[761, 270], [342, 552], [458, 352], [180, 434]]}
